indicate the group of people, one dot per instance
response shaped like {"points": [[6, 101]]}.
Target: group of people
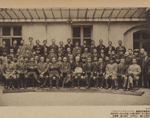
{"points": [[73, 65]]}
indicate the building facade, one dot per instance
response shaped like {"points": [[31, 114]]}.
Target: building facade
{"points": [[131, 25]]}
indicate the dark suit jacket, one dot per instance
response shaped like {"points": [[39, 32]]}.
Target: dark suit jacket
{"points": [[146, 64], [122, 69], [67, 46], [107, 49], [100, 47], [55, 47]]}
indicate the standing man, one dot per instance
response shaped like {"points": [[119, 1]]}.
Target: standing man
{"points": [[30, 46], [44, 46], [146, 64], [54, 46], [84, 46], [14, 46], [69, 45], [120, 47], [37, 48], [100, 46], [109, 48], [74, 52], [4, 51], [142, 60], [23, 47], [92, 46]]}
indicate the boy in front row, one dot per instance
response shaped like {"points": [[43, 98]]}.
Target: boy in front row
{"points": [[134, 71]]}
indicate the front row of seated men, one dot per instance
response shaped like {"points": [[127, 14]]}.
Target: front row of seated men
{"points": [[81, 72]]}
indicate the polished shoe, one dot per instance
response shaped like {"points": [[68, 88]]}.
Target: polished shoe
{"points": [[78, 87], [128, 89], [72, 86], [87, 87]]}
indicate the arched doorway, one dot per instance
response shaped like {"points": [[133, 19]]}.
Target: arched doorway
{"points": [[141, 39]]}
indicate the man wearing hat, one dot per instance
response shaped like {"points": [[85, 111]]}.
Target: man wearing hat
{"points": [[111, 73], [14, 46], [52, 54], [9, 73], [120, 47]]}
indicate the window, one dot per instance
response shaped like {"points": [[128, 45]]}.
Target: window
{"points": [[141, 39], [81, 33], [9, 34]]}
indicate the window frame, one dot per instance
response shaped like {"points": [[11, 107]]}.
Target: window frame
{"points": [[82, 33], [11, 34]]}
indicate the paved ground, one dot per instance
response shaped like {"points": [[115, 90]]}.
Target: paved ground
{"points": [[71, 99]]}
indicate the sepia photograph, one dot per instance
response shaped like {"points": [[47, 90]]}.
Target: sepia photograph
{"points": [[74, 55]]}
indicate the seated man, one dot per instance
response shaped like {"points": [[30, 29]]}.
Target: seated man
{"points": [[21, 70], [84, 68], [111, 73], [100, 72], [42, 69], [32, 72], [134, 71], [77, 71], [54, 73], [9, 73], [122, 73], [65, 71], [95, 72], [89, 72]]}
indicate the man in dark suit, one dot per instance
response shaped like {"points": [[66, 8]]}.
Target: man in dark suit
{"points": [[120, 47], [44, 46], [100, 46], [93, 47], [14, 46], [84, 46], [68, 45], [37, 48], [146, 63], [53, 46], [109, 48]]}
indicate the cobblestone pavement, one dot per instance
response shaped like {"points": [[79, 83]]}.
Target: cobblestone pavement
{"points": [[71, 99]]}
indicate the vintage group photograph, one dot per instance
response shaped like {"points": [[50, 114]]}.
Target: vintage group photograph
{"points": [[74, 56]]}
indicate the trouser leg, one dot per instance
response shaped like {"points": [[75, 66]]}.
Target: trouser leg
{"points": [[51, 81], [78, 80], [57, 81]]}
